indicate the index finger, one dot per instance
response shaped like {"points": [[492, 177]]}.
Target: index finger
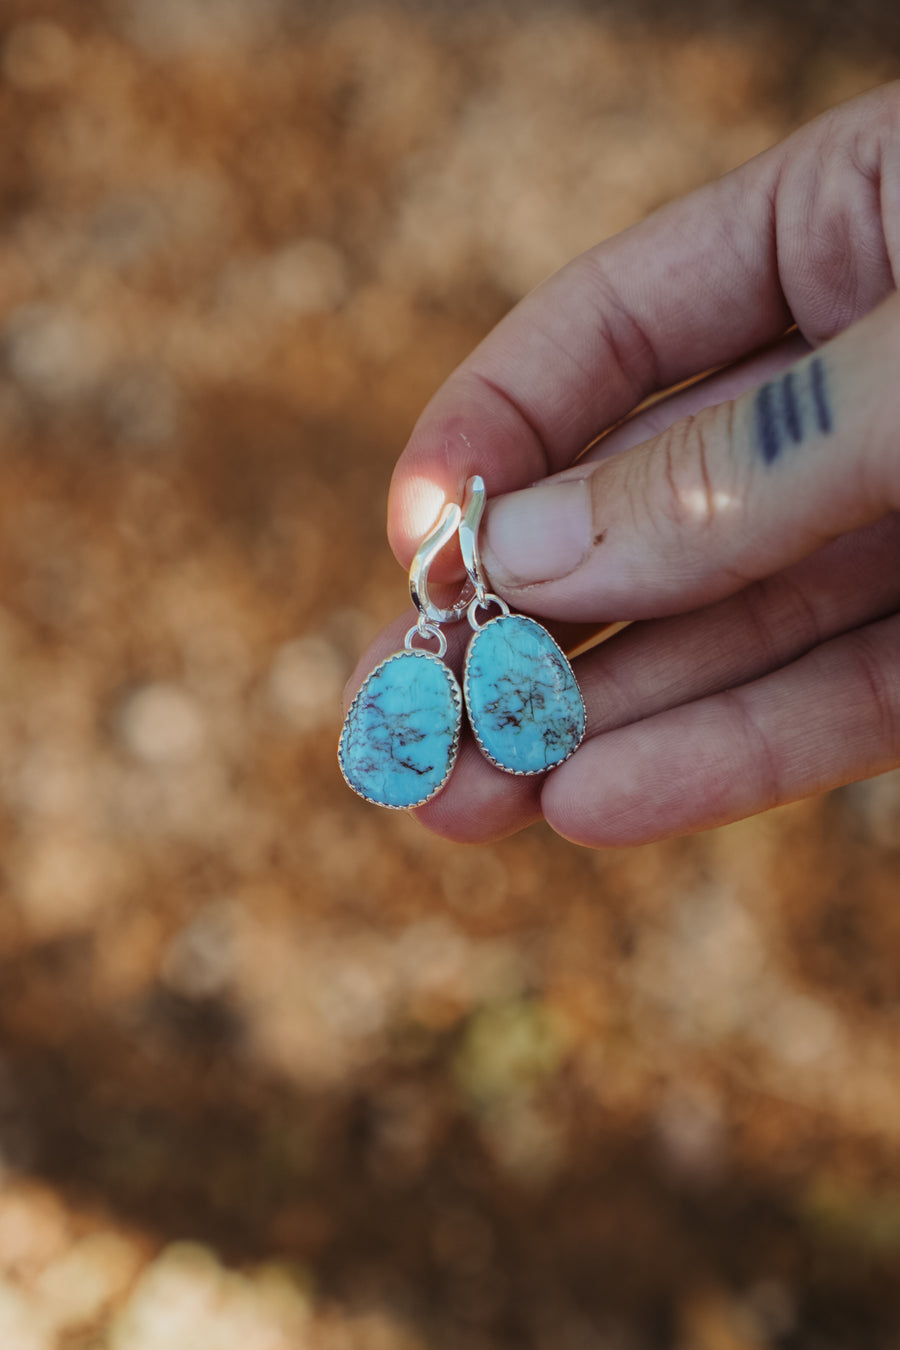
{"points": [[800, 234]]}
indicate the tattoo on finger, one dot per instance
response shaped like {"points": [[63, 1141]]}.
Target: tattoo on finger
{"points": [[789, 410]]}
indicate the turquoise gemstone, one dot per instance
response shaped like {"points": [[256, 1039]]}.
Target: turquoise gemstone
{"points": [[401, 735], [524, 705]]}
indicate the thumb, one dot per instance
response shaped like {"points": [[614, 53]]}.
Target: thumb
{"points": [[727, 496]]}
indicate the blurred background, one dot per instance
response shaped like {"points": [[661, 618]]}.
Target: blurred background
{"points": [[278, 1070]]}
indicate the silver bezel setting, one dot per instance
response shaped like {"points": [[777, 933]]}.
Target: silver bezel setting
{"points": [[456, 694], [521, 773]]}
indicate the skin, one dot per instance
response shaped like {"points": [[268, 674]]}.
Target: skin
{"points": [[752, 539]]}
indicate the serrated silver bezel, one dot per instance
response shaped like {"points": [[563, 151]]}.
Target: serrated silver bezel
{"points": [[456, 694], [520, 773]]}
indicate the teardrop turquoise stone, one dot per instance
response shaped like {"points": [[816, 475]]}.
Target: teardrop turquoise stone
{"points": [[401, 735], [524, 705]]}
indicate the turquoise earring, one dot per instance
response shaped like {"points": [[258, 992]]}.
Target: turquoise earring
{"points": [[401, 735], [524, 704]]}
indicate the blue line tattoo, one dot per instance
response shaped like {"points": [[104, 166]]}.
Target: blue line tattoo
{"points": [[792, 417], [823, 411], [767, 423], [788, 409]]}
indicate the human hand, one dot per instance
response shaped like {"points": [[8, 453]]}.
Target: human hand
{"points": [[751, 532]]}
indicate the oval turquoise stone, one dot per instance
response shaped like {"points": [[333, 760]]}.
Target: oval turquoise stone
{"points": [[524, 705], [401, 735]]}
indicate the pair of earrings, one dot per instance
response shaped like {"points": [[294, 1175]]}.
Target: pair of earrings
{"points": [[401, 736]]}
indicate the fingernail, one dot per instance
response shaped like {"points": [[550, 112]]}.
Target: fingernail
{"points": [[540, 534]]}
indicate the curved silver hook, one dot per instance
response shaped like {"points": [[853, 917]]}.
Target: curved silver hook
{"points": [[472, 511], [430, 547]]}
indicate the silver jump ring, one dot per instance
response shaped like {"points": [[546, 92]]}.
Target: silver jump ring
{"points": [[425, 631], [484, 602]]}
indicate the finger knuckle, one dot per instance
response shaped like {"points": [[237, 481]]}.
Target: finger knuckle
{"points": [[879, 683], [884, 110], [689, 483]]}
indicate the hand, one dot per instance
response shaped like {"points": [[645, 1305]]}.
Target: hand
{"points": [[745, 522]]}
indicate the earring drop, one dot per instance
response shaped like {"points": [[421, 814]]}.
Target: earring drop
{"points": [[400, 738], [524, 704]]}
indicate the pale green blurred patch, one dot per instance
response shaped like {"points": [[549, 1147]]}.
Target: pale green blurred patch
{"points": [[862, 1222], [510, 1049]]}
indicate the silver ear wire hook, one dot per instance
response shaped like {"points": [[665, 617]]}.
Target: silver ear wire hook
{"points": [[472, 511], [430, 547]]}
